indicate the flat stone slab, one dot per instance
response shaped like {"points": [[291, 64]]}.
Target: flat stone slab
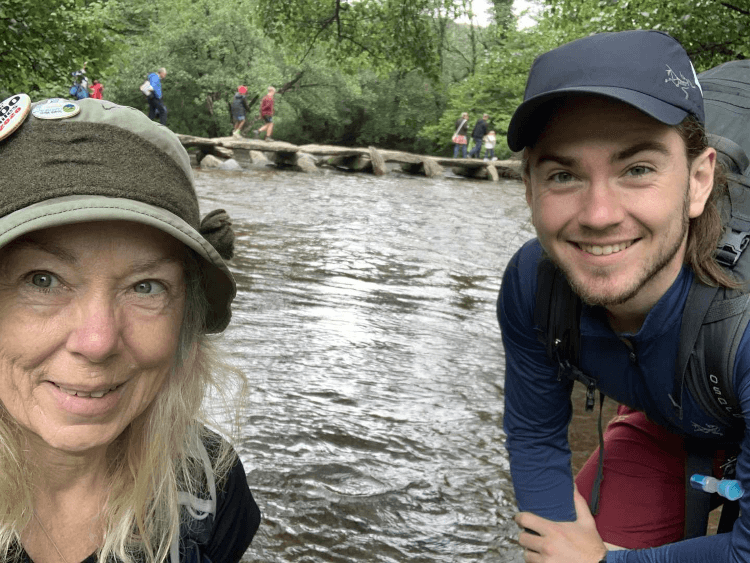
{"points": [[430, 166]]}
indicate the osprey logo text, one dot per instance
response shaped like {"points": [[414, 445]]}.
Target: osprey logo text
{"points": [[707, 429], [680, 81]]}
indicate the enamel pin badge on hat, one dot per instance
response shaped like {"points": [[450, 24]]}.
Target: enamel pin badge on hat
{"points": [[13, 112], [56, 108]]}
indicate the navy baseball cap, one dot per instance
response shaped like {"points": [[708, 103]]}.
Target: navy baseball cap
{"points": [[647, 69]]}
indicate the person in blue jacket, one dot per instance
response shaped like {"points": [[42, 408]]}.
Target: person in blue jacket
{"points": [[620, 182], [156, 107]]}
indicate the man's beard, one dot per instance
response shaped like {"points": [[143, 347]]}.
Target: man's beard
{"points": [[649, 271]]}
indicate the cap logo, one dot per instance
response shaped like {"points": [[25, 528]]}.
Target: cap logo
{"points": [[680, 81], [13, 112], [695, 77]]}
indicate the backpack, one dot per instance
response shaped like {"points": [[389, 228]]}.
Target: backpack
{"points": [[78, 91], [146, 89], [200, 515], [714, 319]]}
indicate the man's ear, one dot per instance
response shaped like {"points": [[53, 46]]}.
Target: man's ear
{"points": [[526, 175], [701, 181], [527, 183]]}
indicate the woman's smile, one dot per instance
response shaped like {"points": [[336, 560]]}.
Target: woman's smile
{"points": [[80, 403]]}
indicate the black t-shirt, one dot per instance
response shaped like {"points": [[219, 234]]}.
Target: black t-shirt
{"points": [[222, 538]]}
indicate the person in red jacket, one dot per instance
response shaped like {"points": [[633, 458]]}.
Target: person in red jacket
{"points": [[266, 113], [97, 90]]}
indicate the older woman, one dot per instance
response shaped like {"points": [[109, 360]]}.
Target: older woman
{"points": [[109, 286]]}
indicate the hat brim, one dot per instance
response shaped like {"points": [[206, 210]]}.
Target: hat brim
{"points": [[523, 129], [219, 284]]}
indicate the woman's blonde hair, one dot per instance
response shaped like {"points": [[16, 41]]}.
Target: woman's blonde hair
{"points": [[154, 458]]}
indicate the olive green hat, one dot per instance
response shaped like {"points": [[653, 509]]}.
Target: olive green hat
{"points": [[93, 160]]}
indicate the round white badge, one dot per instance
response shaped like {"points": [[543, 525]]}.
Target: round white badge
{"points": [[56, 108], [13, 112]]}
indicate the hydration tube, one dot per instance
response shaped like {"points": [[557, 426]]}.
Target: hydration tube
{"points": [[728, 488]]}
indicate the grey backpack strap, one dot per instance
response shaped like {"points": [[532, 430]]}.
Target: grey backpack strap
{"points": [[721, 333], [737, 229], [697, 305], [198, 508], [731, 155]]}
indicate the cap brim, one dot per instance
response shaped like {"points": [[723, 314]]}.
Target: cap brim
{"points": [[219, 282], [524, 129]]}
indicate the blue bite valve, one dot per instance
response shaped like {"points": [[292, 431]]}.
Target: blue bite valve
{"points": [[728, 488]]}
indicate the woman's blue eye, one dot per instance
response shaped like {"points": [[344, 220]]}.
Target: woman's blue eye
{"points": [[43, 280], [149, 287]]}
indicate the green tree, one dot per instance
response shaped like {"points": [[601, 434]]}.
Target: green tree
{"points": [[208, 49], [712, 31], [382, 35], [42, 42]]}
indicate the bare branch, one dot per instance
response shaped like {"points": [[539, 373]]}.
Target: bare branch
{"points": [[289, 85], [735, 8]]}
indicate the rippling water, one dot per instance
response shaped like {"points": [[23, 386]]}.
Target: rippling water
{"points": [[366, 322]]}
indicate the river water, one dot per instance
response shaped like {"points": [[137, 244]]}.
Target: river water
{"points": [[366, 322]]}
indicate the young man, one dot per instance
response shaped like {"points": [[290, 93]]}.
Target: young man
{"points": [[266, 113], [478, 134], [239, 111], [619, 180]]}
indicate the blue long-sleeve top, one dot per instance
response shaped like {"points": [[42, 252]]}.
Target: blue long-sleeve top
{"points": [[538, 408], [155, 82]]}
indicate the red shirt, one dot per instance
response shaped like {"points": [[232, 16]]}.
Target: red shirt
{"points": [[97, 88], [266, 105]]}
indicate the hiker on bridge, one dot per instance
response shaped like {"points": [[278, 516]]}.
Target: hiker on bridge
{"points": [[266, 114], [459, 137], [622, 187], [239, 110], [478, 134], [156, 107]]}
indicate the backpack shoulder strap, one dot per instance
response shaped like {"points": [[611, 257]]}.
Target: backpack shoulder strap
{"points": [[731, 155], [737, 224], [709, 371], [714, 319], [557, 314], [199, 509], [697, 304]]}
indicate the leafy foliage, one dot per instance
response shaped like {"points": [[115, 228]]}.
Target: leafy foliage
{"points": [[712, 31], [390, 73], [41, 43], [209, 49], [382, 34]]}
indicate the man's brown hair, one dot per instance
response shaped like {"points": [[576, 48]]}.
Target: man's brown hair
{"points": [[705, 230]]}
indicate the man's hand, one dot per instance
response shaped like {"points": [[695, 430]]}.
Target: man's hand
{"points": [[561, 542]]}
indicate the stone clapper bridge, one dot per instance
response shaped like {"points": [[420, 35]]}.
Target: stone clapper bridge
{"points": [[308, 158]]}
